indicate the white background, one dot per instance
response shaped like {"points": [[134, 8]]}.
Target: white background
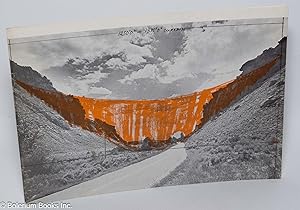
{"points": [[282, 194]]}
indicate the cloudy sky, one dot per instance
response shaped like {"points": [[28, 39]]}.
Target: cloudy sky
{"points": [[148, 64]]}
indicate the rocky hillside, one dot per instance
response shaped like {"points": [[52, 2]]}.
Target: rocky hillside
{"points": [[46, 141], [234, 91], [254, 73], [71, 110], [242, 130], [242, 142], [29, 76], [56, 154], [42, 127], [267, 56]]}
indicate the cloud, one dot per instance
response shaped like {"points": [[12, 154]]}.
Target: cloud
{"points": [[142, 39], [167, 44], [149, 71], [219, 51], [149, 64], [86, 86], [99, 91], [42, 55], [116, 63]]}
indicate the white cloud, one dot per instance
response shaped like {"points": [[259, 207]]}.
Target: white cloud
{"points": [[44, 54], [209, 56], [82, 86], [116, 63], [220, 52], [149, 71], [99, 91], [142, 39], [94, 77]]}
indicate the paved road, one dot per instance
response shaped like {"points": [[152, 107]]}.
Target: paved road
{"points": [[140, 175]]}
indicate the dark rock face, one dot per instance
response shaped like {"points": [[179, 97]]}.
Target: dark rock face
{"points": [[255, 72], [145, 144], [270, 102], [241, 132], [267, 56], [56, 155], [71, 110], [240, 144], [241, 86], [29, 76]]}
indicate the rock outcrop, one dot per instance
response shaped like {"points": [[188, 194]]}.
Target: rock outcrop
{"points": [[29, 76], [71, 110], [235, 90], [266, 57]]}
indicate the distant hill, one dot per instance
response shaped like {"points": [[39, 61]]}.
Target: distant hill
{"points": [[56, 154], [30, 76], [267, 56]]}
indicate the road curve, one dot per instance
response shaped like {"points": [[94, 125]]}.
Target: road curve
{"points": [[140, 175]]}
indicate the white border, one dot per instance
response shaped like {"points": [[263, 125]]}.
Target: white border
{"points": [[105, 23]]}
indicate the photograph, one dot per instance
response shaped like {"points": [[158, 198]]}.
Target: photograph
{"points": [[128, 108]]}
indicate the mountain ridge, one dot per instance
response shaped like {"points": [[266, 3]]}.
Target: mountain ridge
{"points": [[266, 56], [30, 76]]}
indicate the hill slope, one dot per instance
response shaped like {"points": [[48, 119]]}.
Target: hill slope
{"points": [[56, 155], [29, 76], [242, 142]]}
